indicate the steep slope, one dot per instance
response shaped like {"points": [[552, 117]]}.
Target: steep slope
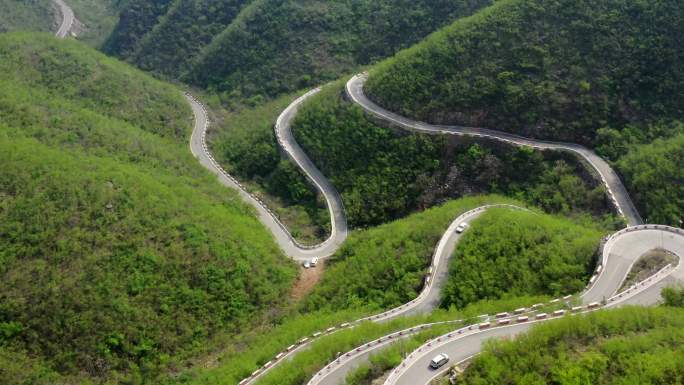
{"points": [[120, 255], [383, 174], [557, 69], [272, 46], [182, 33]]}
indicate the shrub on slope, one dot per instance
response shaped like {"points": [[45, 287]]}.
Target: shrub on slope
{"points": [[556, 69], [119, 254], [625, 346], [507, 253]]}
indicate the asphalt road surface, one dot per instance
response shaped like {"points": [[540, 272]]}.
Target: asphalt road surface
{"points": [[619, 195], [67, 19], [626, 250], [280, 233]]}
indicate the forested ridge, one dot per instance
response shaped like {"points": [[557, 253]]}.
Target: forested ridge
{"points": [[120, 255], [164, 37], [557, 69], [242, 49], [608, 74]]}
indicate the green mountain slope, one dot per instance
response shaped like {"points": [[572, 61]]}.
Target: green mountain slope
{"points": [[384, 174], [625, 346], [119, 254], [557, 69], [541, 254], [182, 32], [272, 46]]}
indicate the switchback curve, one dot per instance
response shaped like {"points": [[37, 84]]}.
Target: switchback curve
{"points": [[644, 293], [282, 236], [616, 190]]}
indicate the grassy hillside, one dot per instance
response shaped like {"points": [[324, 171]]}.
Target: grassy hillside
{"points": [[272, 46], [142, 259], [625, 346], [383, 174], [26, 15], [557, 69], [385, 266], [507, 253]]}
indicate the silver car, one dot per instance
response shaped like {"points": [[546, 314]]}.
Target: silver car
{"points": [[439, 361], [461, 228]]}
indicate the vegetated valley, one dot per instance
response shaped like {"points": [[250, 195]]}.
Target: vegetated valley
{"points": [[123, 261]]}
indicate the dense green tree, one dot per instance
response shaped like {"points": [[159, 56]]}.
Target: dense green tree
{"points": [[674, 296]]}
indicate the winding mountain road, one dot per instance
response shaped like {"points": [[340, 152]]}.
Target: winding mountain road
{"points": [[282, 236], [619, 252], [67, 19], [616, 190]]}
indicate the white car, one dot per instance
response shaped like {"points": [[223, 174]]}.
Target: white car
{"points": [[439, 361], [461, 228], [314, 262], [306, 264]]}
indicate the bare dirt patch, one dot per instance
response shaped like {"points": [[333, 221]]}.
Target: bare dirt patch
{"points": [[647, 265], [308, 278]]}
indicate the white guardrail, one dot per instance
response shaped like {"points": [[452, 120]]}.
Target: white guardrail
{"points": [[389, 314], [256, 199], [607, 244], [508, 138], [473, 329], [540, 317], [395, 312]]}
